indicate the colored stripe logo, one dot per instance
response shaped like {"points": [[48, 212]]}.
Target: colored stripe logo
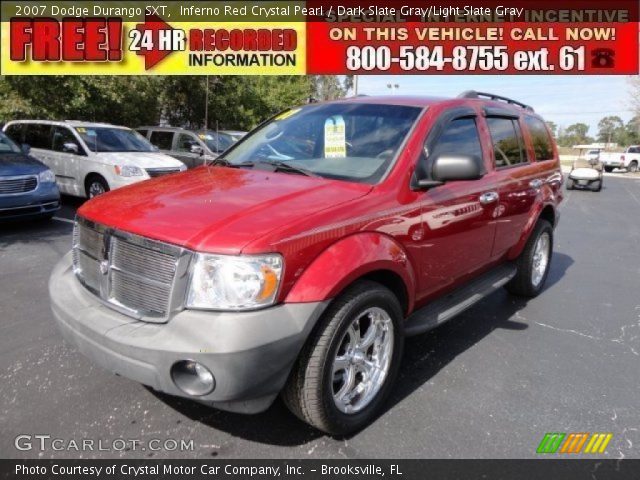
{"points": [[577, 442]]}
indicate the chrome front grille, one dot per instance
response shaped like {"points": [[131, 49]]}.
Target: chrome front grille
{"points": [[18, 185], [143, 278]]}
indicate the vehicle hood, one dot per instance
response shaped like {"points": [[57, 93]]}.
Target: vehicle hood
{"points": [[139, 159], [19, 164], [217, 209]]}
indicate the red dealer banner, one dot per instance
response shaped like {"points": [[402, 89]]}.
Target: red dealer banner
{"points": [[487, 38]]}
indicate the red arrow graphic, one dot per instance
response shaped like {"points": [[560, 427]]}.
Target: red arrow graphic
{"points": [[153, 55]]}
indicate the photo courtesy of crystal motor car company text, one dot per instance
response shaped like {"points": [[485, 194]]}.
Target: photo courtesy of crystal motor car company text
{"points": [[321, 231]]}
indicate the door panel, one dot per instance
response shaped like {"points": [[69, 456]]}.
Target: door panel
{"points": [[517, 180], [457, 229]]}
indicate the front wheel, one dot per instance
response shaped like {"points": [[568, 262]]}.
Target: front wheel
{"points": [[596, 186], [96, 185], [533, 263], [346, 370]]}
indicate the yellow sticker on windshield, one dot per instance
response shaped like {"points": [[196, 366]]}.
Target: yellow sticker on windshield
{"points": [[81, 129], [287, 114], [335, 142]]}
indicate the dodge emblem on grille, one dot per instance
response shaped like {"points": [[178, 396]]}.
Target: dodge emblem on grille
{"points": [[104, 267]]}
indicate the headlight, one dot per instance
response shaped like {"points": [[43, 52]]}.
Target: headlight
{"points": [[223, 282], [46, 176], [183, 167], [128, 171]]}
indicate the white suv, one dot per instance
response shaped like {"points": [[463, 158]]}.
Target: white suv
{"points": [[92, 158]]}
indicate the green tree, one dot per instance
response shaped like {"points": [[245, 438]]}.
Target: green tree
{"points": [[233, 101], [609, 128], [630, 135], [575, 134], [122, 100]]}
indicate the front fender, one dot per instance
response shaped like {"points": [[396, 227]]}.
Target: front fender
{"points": [[349, 259]]}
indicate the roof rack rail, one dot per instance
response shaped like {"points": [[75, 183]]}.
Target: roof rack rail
{"points": [[474, 94]]}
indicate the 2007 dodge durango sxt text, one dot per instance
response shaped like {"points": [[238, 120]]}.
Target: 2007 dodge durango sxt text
{"points": [[299, 262]]}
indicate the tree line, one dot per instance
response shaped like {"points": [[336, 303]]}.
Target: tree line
{"points": [[234, 102], [611, 129]]}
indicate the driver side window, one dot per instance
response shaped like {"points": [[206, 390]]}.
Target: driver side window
{"points": [[459, 137]]}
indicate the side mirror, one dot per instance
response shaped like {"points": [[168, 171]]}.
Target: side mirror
{"points": [[452, 167], [70, 147], [26, 148], [197, 149]]}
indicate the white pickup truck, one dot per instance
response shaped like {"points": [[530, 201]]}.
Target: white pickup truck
{"points": [[629, 159]]}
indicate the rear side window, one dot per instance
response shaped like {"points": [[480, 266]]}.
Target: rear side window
{"points": [[540, 138], [37, 135], [162, 140], [459, 137], [508, 146], [143, 132]]}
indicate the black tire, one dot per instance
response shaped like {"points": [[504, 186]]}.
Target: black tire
{"points": [[309, 390], [633, 167], [596, 186], [608, 169], [100, 184], [570, 184], [522, 283]]}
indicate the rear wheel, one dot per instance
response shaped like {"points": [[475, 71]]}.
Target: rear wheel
{"points": [[608, 169], [633, 167], [346, 370], [533, 263], [570, 184], [596, 186], [96, 185]]}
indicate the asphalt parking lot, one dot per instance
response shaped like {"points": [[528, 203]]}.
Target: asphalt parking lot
{"points": [[488, 384]]}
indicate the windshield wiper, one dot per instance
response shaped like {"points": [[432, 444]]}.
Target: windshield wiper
{"points": [[221, 162], [286, 167]]}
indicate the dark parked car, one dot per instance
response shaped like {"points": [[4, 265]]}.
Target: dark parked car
{"points": [[27, 187]]}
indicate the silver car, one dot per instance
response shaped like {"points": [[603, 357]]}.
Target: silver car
{"points": [[192, 148]]}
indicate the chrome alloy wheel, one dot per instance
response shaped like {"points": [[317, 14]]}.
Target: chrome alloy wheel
{"points": [[96, 188], [362, 360], [540, 259]]}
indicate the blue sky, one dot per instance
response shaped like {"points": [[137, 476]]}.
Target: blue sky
{"points": [[561, 99]]}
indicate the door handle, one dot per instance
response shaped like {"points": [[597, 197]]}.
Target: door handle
{"points": [[537, 183], [489, 197]]}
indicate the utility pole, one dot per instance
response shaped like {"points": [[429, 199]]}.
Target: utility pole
{"points": [[206, 102]]}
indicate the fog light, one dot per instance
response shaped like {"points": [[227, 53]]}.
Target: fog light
{"points": [[192, 378]]}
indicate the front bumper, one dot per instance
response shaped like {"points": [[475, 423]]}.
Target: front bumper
{"points": [[249, 353], [44, 200]]}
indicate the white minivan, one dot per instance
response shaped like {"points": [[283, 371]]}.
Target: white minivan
{"points": [[92, 158]]}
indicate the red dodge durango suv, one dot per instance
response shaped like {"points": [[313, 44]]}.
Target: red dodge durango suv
{"points": [[297, 263]]}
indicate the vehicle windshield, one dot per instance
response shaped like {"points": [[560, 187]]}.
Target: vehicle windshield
{"points": [[109, 139], [344, 141], [7, 145], [217, 142]]}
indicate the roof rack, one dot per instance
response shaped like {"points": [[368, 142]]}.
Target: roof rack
{"points": [[474, 94]]}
